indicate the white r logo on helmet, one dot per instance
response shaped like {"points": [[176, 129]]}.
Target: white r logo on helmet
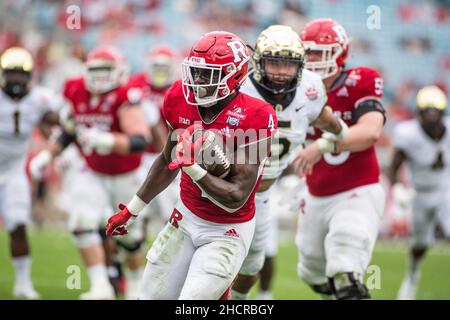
{"points": [[341, 34], [238, 50]]}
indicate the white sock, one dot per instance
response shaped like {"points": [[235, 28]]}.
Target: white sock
{"points": [[135, 275], [239, 295], [113, 272], [98, 274], [22, 266]]}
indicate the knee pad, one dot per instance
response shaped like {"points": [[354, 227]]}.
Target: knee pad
{"points": [[347, 286], [134, 241], [86, 238], [131, 247], [102, 233]]}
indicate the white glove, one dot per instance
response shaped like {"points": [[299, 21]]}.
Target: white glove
{"points": [[92, 139], [402, 195], [39, 163], [337, 137]]}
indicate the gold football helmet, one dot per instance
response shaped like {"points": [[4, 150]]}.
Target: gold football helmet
{"points": [[431, 97], [16, 65], [278, 43]]}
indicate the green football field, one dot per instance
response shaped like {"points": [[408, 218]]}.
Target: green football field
{"points": [[55, 258]]}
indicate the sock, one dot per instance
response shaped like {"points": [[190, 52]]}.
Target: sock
{"points": [[22, 266], [134, 278], [239, 295], [135, 275], [113, 272], [98, 274]]}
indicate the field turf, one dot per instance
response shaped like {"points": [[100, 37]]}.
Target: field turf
{"points": [[54, 253]]}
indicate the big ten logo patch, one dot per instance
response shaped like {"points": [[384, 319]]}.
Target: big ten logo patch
{"points": [[175, 217]]}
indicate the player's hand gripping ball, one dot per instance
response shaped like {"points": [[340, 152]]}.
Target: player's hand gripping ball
{"points": [[205, 147]]}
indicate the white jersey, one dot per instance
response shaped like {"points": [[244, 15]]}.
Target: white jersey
{"points": [[293, 120], [17, 119], [427, 160]]}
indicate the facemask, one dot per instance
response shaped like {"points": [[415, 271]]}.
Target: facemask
{"points": [[16, 90]]}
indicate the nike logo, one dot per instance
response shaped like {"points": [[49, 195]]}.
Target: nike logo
{"points": [[298, 109]]}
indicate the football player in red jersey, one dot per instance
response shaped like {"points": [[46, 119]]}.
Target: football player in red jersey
{"points": [[341, 211], [199, 252], [107, 124]]}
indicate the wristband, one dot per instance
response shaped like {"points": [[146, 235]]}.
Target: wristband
{"points": [[344, 130], [137, 143], [136, 205], [325, 145], [195, 171]]}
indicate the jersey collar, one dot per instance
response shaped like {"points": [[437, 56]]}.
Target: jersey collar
{"points": [[268, 96]]}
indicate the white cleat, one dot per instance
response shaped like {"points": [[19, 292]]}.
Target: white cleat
{"points": [[27, 293], [408, 289], [264, 296], [99, 292]]}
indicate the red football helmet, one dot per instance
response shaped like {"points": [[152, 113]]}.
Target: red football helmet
{"points": [[215, 68], [161, 66], [326, 40], [106, 69]]}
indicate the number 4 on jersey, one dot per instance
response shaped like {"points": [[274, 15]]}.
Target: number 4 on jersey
{"points": [[271, 124]]}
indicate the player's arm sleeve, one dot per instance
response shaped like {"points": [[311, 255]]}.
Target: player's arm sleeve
{"points": [[132, 98], [49, 102], [168, 110], [317, 105], [48, 106], [370, 95], [67, 90], [400, 138], [151, 112]]}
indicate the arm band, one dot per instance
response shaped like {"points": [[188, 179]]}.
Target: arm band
{"points": [[368, 106], [65, 139], [137, 143]]}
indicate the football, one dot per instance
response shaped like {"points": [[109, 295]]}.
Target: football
{"points": [[214, 156]]}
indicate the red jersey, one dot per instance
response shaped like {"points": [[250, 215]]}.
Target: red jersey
{"points": [[336, 173], [156, 95], [153, 98], [102, 112], [242, 113]]}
